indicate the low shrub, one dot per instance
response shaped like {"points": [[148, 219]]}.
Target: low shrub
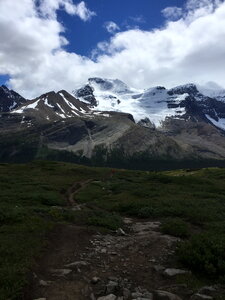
{"points": [[176, 227], [146, 212], [106, 220], [204, 253]]}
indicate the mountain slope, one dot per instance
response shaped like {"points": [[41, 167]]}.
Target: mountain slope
{"points": [[53, 106], [9, 99], [180, 124]]}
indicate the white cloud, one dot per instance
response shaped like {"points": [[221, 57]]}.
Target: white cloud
{"points": [[138, 19], [172, 12], [111, 27], [32, 52], [49, 7]]}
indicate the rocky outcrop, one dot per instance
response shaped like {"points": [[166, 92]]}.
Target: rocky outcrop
{"points": [[9, 99]]}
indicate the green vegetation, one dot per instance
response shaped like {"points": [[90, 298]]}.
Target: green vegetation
{"points": [[205, 253], [176, 227], [29, 196], [190, 205], [24, 146]]}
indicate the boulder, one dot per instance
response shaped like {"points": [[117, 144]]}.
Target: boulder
{"points": [[108, 297], [163, 295], [173, 272], [207, 290], [201, 297], [111, 286]]}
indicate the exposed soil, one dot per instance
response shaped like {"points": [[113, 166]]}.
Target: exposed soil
{"points": [[139, 258], [80, 263], [74, 189]]}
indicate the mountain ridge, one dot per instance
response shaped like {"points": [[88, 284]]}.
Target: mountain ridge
{"points": [[157, 124]]}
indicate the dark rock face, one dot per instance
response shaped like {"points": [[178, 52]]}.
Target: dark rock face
{"points": [[146, 123], [103, 83], [86, 93], [53, 106], [9, 99], [189, 88]]}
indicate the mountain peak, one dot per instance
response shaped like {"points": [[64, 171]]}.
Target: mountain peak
{"points": [[9, 99], [4, 87], [189, 88], [113, 85], [52, 106]]}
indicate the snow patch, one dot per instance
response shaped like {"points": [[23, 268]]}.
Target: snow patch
{"points": [[46, 103], [220, 123], [29, 106]]}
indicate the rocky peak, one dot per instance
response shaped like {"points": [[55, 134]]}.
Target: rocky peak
{"points": [[9, 99], [86, 94], [112, 85], [190, 89], [53, 106]]}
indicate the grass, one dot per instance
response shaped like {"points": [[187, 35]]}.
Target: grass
{"points": [[190, 204], [28, 195], [176, 227]]}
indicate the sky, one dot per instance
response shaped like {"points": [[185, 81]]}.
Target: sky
{"points": [[58, 44]]}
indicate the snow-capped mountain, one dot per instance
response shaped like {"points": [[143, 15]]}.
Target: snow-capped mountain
{"points": [[9, 99], [156, 104], [150, 107], [106, 118], [52, 106]]}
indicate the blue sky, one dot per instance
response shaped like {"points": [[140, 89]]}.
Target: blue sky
{"points": [[53, 45], [84, 36]]}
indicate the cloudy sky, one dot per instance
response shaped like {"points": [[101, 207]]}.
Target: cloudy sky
{"points": [[58, 44]]}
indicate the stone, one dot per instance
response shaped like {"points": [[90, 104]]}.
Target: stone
{"points": [[173, 272], [44, 283], [136, 295], [201, 297], [109, 297], [163, 295], [158, 268], [92, 296], [95, 280], [120, 231], [61, 272], [126, 294], [112, 278], [148, 295], [127, 221], [77, 264], [111, 286], [113, 253], [40, 299], [207, 290]]}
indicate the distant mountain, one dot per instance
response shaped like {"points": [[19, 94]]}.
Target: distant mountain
{"points": [[157, 103], [105, 122], [53, 106], [9, 99]]}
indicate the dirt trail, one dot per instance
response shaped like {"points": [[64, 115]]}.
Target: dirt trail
{"points": [[80, 263], [74, 189]]}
